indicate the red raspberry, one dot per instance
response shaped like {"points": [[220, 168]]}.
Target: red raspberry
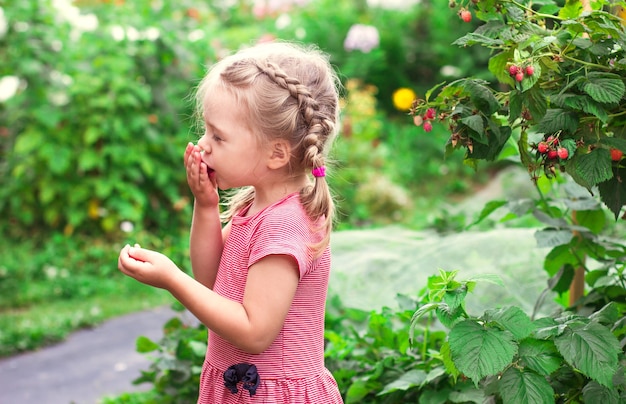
{"points": [[562, 153], [616, 154], [551, 139], [542, 147], [428, 126], [466, 15], [530, 70], [513, 70], [430, 113], [519, 76], [552, 154]]}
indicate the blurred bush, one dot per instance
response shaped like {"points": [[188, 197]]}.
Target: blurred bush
{"points": [[96, 108]]}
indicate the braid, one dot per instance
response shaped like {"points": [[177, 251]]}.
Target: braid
{"points": [[318, 127]]}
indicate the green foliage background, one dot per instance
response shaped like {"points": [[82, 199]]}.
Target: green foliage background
{"points": [[91, 142]]}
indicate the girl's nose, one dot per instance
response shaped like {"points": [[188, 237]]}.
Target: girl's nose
{"points": [[203, 144]]}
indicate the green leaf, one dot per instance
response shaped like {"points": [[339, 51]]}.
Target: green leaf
{"points": [[613, 191], [607, 88], [454, 298], [595, 166], [412, 378], [448, 363], [596, 393], [198, 348], [479, 351], [540, 356], [145, 344], [498, 64], [607, 315], [488, 209], [553, 238], [482, 97], [590, 348], [614, 142], [520, 386], [489, 278], [512, 319], [475, 123], [556, 120]]}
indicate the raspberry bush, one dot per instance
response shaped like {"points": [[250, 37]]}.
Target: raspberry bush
{"points": [[560, 83]]}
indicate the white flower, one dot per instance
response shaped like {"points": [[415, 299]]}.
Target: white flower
{"points": [[195, 35], [117, 32], [450, 71], [283, 21], [362, 37], [126, 226], [152, 34], [8, 87]]}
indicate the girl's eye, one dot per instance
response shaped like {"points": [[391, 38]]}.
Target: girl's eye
{"points": [[217, 138]]}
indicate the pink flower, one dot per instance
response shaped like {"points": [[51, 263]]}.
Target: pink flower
{"points": [[362, 37]]}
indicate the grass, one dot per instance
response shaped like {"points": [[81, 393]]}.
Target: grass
{"points": [[36, 326]]}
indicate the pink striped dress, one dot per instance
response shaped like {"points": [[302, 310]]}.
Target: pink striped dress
{"points": [[292, 369]]}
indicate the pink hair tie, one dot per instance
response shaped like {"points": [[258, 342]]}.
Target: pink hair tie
{"points": [[319, 171]]}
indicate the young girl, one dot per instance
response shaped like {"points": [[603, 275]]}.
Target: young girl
{"points": [[260, 281]]}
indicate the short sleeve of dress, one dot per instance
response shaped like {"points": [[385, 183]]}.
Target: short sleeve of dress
{"points": [[284, 230]]}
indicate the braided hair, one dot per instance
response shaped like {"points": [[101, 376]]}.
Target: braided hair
{"points": [[288, 92]]}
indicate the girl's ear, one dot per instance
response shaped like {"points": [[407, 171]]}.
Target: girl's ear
{"points": [[280, 154]]}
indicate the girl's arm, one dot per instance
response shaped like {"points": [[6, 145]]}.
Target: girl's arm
{"points": [[206, 240], [252, 325]]}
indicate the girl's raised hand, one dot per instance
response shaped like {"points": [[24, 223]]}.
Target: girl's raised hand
{"points": [[149, 267], [204, 187]]}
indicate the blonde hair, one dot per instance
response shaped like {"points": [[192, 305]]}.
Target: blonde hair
{"points": [[291, 92]]}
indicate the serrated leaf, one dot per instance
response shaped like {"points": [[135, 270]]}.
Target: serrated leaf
{"points": [[556, 120], [475, 123], [540, 356], [607, 315], [596, 393], [595, 166], [604, 87], [614, 142], [519, 386], [479, 351], [582, 103], [447, 315], [454, 298], [512, 319], [590, 348], [613, 191], [482, 97]]}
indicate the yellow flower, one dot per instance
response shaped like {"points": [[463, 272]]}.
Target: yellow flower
{"points": [[403, 98]]}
